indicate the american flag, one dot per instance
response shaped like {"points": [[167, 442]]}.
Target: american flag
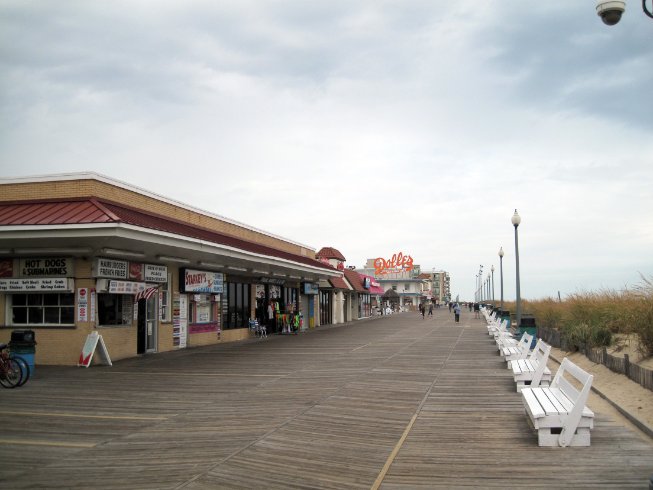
{"points": [[146, 293]]}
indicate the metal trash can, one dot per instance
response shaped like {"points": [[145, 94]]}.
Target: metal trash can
{"points": [[528, 325], [505, 315], [23, 344]]}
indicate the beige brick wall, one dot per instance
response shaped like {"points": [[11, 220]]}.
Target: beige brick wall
{"points": [[103, 190], [61, 346]]}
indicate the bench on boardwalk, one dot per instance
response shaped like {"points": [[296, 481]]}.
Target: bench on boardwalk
{"points": [[519, 350], [495, 327], [533, 371], [558, 412]]}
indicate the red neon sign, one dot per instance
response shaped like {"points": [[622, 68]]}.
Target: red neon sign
{"points": [[398, 263]]}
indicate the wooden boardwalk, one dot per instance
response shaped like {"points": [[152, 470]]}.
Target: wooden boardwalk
{"points": [[391, 402]]}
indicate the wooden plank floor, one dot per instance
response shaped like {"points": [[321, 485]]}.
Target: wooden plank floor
{"points": [[391, 402]]}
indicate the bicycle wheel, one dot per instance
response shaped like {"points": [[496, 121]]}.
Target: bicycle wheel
{"points": [[25, 371], [12, 374]]}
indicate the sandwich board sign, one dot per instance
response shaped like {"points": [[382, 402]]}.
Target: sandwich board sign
{"points": [[93, 342]]}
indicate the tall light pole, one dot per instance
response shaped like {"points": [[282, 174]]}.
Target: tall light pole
{"points": [[516, 219], [501, 273], [494, 303], [476, 286], [480, 281]]}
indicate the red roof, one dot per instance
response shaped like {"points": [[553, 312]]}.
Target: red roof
{"points": [[89, 211], [330, 253], [339, 283], [356, 280]]}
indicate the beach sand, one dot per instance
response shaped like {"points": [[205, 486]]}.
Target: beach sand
{"points": [[630, 396]]}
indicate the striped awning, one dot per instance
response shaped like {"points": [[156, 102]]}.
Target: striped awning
{"points": [[147, 293]]}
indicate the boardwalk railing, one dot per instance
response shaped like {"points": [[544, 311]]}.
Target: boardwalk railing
{"points": [[621, 365]]}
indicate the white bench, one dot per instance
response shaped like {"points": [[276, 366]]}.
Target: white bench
{"points": [[533, 372], [559, 412], [520, 350], [497, 326]]}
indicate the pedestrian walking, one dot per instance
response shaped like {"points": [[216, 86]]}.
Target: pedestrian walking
{"points": [[456, 312], [422, 309], [431, 309], [477, 310]]}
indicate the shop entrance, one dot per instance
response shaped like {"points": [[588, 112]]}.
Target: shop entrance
{"points": [[147, 322]]}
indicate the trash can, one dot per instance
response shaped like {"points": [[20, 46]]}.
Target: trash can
{"points": [[528, 325], [23, 344], [505, 315]]}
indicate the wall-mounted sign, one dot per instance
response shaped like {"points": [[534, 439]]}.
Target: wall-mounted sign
{"points": [[46, 267], [271, 280], [192, 281], [37, 284], [82, 304], [311, 288], [115, 269], [398, 263], [155, 273]]}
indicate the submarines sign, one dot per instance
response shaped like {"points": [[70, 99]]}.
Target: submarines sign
{"points": [[192, 281], [398, 263]]}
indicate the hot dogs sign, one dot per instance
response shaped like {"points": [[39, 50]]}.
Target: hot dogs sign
{"points": [[398, 263]]}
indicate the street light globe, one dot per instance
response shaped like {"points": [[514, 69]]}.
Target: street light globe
{"points": [[501, 252], [492, 268], [516, 219]]}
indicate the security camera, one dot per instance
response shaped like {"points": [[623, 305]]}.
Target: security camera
{"points": [[610, 11]]}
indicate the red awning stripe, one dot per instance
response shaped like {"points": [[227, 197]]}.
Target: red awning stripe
{"points": [[146, 293]]}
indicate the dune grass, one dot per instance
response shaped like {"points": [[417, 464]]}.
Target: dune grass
{"points": [[595, 318]]}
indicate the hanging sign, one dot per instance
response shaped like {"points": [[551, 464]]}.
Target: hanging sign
{"points": [[125, 287], [115, 269], [398, 263], [37, 284], [94, 341]]}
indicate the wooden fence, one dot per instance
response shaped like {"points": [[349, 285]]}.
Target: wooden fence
{"points": [[621, 365]]}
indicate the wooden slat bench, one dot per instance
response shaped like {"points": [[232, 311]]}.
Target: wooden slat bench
{"points": [[533, 371], [493, 329], [559, 412], [519, 350]]}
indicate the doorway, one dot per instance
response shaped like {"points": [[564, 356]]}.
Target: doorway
{"points": [[147, 325]]}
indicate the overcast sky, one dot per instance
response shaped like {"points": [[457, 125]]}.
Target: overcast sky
{"points": [[373, 127]]}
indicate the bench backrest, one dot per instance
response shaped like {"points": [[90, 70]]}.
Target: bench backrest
{"points": [[540, 352], [539, 356], [582, 377], [524, 345], [502, 328]]}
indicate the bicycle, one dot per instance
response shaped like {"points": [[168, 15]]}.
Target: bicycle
{"points": [[14, 370]]}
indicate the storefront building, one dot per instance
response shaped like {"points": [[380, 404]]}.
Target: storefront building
{"points": [[82, 252]]}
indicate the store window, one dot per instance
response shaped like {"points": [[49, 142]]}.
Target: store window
{"points": [[165, 301], [364, 306], [325, 307], [115, 309], [238, 305], [290, 300], [204, 313], [43, 309]]}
